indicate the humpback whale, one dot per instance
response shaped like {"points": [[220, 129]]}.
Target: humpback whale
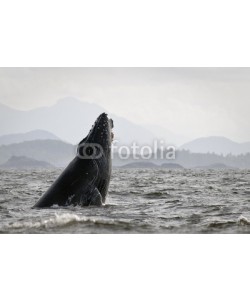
{"points": [[85, 180]]}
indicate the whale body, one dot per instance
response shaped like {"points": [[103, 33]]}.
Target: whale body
{"points": [[86, 179]]}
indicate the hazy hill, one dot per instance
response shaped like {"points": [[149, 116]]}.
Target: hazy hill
{"points": [[218, 145], [170, 138], [204, 160], [23, 162], [150, 165], [59, 154], [54, 152], [69, 119], [28, 136]]}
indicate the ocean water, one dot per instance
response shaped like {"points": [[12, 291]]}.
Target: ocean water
{"points": [[139, 201]]}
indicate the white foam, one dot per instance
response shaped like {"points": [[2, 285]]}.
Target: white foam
{"points": [[243, 221], [58, 220], [55, 221]]}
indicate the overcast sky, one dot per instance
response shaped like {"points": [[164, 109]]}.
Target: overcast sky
{"points": [[193, 102]]}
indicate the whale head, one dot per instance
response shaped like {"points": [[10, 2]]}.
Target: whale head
{"points": [[98, 141]]}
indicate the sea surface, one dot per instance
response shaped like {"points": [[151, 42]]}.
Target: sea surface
{"points": [[140, 201]]}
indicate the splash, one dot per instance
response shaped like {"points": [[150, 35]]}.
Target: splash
{"points": [[58, 220], [243, 221]]}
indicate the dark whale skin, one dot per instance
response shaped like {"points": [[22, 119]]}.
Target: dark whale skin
{"points": [[86, 179]]}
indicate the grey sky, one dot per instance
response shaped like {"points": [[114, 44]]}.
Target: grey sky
{"points": [[189, 101]]}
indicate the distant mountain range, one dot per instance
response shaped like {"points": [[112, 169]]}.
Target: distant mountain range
{"points": [[59, 154], [150, 165], [218, 145], [23, 162], [54, 152], [170, 138], [70, 120], [28, 136]]}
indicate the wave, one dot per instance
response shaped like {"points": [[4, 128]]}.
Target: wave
{"points": [[221, 224], [157, 194], [59, 220], [243, 221]]}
